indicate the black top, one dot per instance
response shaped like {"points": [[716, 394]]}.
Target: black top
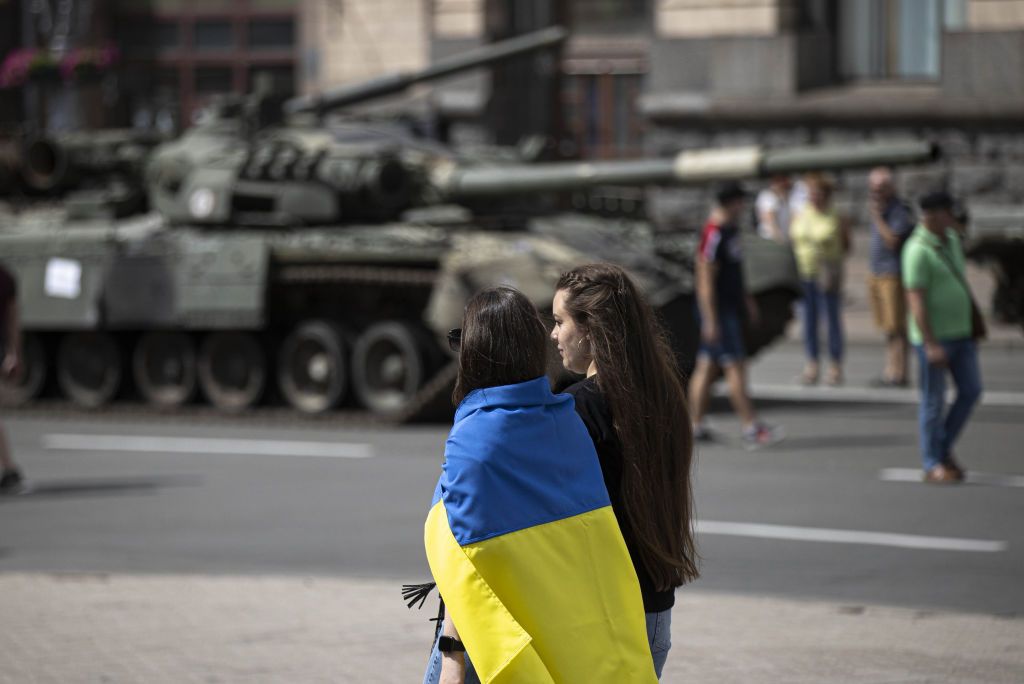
{"points": [[720, 244], [593, 409]]}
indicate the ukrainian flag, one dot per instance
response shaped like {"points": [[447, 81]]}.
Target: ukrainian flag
{"points": [[526, 550]]}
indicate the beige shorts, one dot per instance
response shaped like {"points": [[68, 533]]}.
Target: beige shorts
{"points": [[888, 303]]}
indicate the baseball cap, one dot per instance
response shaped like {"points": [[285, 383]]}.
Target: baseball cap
{"points": [[938, 199]]}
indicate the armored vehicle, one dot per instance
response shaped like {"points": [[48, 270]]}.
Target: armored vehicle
{"points": [[325, 261], [995, 238]]}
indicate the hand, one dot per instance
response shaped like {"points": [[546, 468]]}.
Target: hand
{"points": [[709, 332], [875, 208], [936, 354], [10, 369], [453, 668]]}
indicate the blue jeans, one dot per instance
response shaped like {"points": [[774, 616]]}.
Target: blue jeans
{"points": [[659, 636], [938, 433], [814, 298], [729, 347]]}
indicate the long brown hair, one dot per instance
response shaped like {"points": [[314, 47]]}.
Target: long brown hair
{"points": [[639, 378], [503, 341]]}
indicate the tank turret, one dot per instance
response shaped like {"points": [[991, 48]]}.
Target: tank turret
{"points": [[293, 177], [251, 164]]}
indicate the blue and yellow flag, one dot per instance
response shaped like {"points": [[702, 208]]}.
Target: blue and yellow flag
{"points": [[526, 550]]}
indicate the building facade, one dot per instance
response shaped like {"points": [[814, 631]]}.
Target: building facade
{"points": [[663, 75], [177, 54], [844, 71]]}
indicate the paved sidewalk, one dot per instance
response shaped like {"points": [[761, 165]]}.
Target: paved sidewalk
{"points": [[775, 373], [121, 628]]}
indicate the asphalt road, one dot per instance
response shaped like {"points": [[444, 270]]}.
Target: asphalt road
{"points": [[810, 518]]}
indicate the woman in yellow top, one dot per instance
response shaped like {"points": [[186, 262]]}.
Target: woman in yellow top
{"points": [[821, 240]]}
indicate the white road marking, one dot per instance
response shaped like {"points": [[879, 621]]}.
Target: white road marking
{"points": [[856, 395], [973, 477], [821, 534], [213, 445]]}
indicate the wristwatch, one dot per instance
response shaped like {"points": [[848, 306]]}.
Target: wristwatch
{"points": [[447, 644]]}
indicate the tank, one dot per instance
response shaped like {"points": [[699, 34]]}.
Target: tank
{"points": [[995, 239], [321, 262]]}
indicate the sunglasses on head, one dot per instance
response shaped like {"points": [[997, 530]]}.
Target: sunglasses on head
{"points": [[455, 339]]}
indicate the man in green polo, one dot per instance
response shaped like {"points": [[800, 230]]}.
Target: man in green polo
{"points": [[940, 330]]}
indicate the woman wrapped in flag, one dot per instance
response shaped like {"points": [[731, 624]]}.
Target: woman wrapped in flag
{"points": [[521, 537]]}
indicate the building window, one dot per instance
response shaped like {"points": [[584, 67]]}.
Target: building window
{"points": [[894, 39], [144, 37], [213, 80], [610, 16], [271, 34], [213, 36], [154, 99], [602, 116]]}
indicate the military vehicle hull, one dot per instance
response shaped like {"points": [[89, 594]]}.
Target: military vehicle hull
{"points": [[319, 318]]}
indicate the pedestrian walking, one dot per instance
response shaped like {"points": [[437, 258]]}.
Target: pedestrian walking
{"points": [[721, 304], [891, 224], [944, 326], [821, 240], [633, 404], [521, 537], [10, 366]]}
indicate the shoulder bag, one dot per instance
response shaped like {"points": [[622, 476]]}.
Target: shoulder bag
{"points": [[979, 330]]}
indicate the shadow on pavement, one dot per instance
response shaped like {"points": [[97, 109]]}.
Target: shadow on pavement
{"points": [[100, 487], [721, 404], [849, 441]]}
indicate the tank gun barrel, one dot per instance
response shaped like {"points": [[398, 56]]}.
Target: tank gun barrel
{"points": [[688, 167], [398, 82]]}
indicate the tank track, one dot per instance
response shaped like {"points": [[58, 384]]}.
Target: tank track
{"points": [[430, 404], [361, 275], [432, 401]]}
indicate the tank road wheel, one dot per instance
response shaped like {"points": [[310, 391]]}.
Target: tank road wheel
{"points": [[89, 368], [31, 379], [387, 367], [164, 368], [311, 369], [232, 370]]}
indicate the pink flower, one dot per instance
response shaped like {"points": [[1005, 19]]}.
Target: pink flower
{"points": [[15, 67]]}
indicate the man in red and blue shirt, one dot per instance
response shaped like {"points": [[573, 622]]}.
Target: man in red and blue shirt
{"points": [[721, 306]]}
